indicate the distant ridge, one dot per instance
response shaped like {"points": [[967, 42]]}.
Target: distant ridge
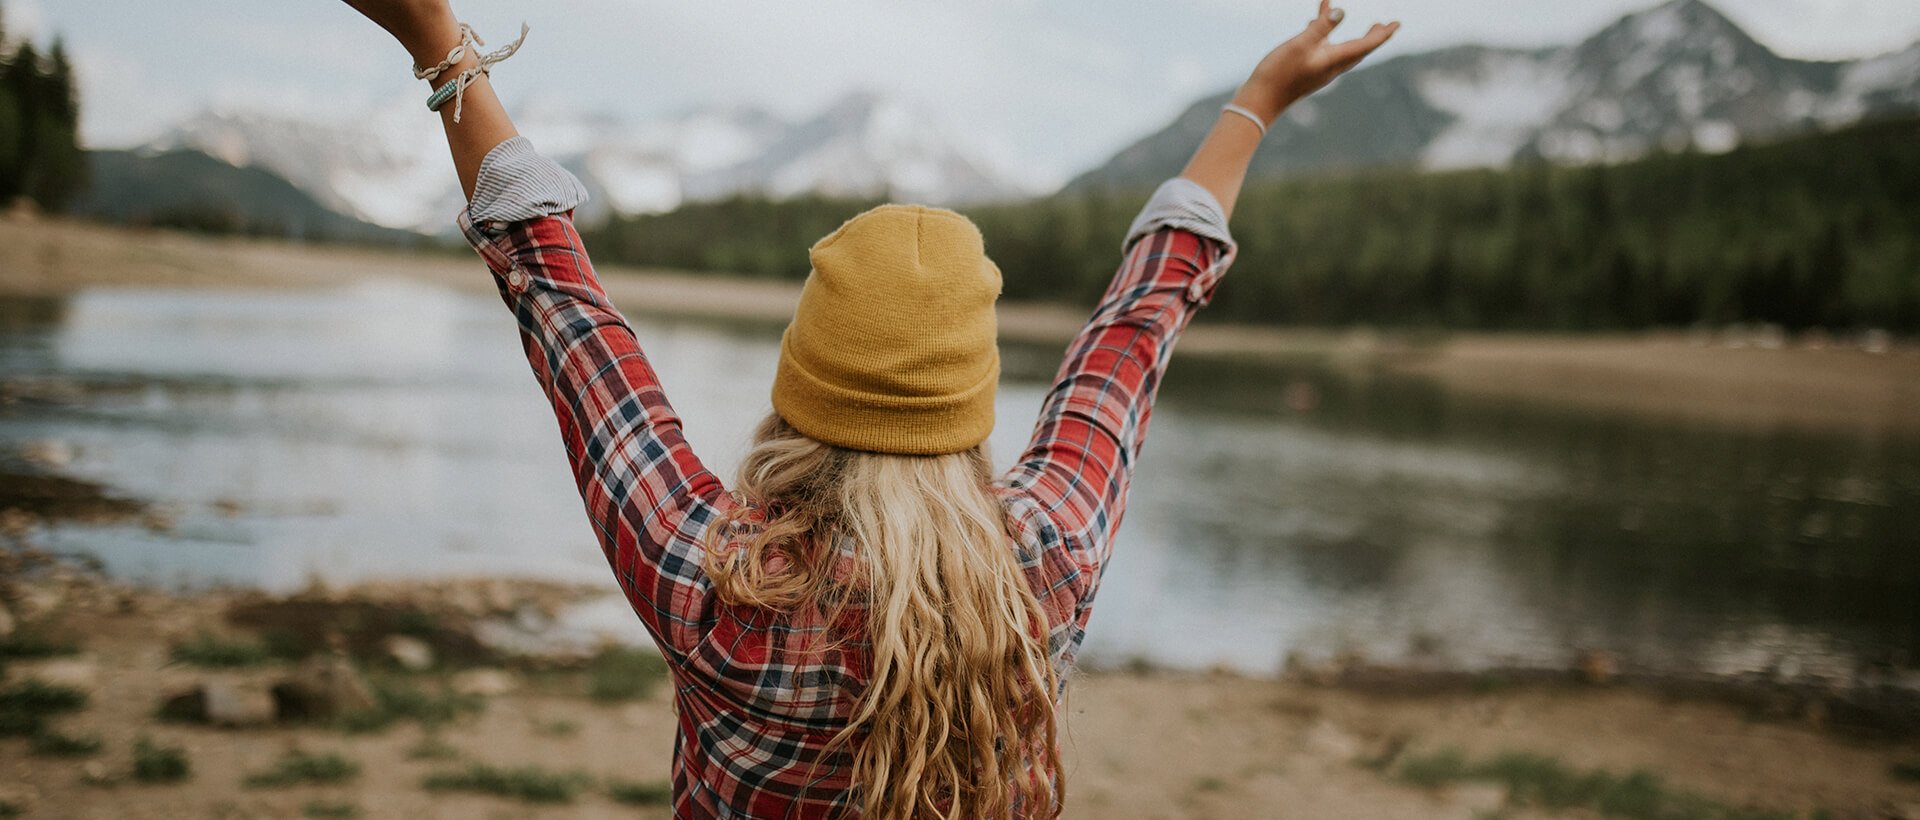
{"points": [[188, 189], [1677, 76]]}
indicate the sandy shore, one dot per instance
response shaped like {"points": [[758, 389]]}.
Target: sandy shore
{"points": [[1753, 379], [1141, 744]]}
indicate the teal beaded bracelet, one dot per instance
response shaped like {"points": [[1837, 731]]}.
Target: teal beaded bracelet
{"points": [[442, 94]]}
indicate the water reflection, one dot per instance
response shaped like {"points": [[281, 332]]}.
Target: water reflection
{"points": [[393, 429]]}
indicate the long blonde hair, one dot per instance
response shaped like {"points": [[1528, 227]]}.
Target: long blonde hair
{"points": [[957, 720]]}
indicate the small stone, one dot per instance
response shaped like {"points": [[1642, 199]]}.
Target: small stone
{"points": [[39, 599], [322, 687], [1597, 666], [50, 453], [1477, 799], [1327, 740], [413, 654], [78, 673], [488, 683], [234, 702]]}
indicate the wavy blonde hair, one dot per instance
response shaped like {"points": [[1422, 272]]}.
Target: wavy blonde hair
{"points": [[957, 720]]}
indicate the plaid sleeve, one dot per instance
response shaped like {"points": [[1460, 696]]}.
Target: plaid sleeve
{"points": [[1069, 488], [649, 498]]}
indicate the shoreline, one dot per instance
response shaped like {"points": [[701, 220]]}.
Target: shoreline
{"points": [[1139, 742], [1753, 379]]}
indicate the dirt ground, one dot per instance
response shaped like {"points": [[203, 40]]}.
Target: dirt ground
{"points": [[1139, 744], [1747, 377]]}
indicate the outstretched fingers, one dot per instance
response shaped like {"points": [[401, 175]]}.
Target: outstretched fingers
{"points": [[1348, 54], [1324, 23]]}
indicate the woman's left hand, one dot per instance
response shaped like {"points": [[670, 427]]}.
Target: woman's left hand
{"points": [[1306, 63]]}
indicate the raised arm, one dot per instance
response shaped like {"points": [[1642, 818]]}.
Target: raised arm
{"points": [[648, 497], [1069, 489]]}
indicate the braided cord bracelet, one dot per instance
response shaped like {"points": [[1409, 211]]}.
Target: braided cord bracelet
{"points": [[456, 89]]}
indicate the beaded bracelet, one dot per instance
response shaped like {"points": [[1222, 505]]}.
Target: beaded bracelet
{"points": [[456, 89]]}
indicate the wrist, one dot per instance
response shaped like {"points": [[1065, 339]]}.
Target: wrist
{"points": [[429, 41], [1267, 105]]}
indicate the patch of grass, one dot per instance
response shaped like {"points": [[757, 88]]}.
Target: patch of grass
{"points": [[636, 793], [1209, 784], [27, 645], [209, 651], [619, 673], [297, 767], [556, 728], [395, 702], [49, 743], [531, 784], [41, 697], [154, 763], [1545, 782], [25, 706], [1908, 770], [322, 808], [432, 747]]}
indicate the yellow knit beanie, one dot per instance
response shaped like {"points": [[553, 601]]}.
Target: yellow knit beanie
{"points": [[892, 347]]}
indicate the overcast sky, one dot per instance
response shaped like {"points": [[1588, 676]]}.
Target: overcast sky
{"points": [[1047, 85]]}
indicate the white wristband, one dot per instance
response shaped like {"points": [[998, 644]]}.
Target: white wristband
{"points": [[1242, 110]]}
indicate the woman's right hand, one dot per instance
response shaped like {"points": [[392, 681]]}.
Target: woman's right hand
{"points": [[1306, 63], [427, 29]]}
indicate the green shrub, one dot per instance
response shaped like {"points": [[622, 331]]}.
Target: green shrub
{"points": [[49, 743], [531, 784], [635, 793], [153, 763], [619, 673], [297, 767], [209, 651], [395, 702]]}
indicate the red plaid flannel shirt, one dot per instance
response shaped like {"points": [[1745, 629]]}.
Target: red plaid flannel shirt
{"points": [[756, 709]]}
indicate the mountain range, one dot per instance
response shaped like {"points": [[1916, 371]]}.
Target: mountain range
{"points": [[1679, 76], [1674, 77], [389, 169]]}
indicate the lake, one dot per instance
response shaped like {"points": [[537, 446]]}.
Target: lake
{"points": [[392, 429]]}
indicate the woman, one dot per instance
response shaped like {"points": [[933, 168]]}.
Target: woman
{"points": [[870, 623]]}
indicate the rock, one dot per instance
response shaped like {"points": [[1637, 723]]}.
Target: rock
{"points": [[34, 600], [51, 453], [79, 673], [1324, 739], [1477, 799], [234, 702], [488, 683], [1597, 666], [413, 654], [322, 688]]}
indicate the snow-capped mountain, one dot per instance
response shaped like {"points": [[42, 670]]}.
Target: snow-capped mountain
{"points": [[1679, 75], [390, 168]]}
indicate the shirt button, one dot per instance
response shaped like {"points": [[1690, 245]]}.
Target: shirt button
{"points": [[517, 278]]}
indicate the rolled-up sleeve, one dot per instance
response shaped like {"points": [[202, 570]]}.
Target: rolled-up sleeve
{"points": [[1184, 204], [516, 183]]}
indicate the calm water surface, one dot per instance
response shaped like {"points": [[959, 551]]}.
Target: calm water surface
{"points": [[393, 430]]}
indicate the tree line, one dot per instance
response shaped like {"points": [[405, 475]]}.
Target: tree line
{"points": [[40, 154], [1816, 231]]}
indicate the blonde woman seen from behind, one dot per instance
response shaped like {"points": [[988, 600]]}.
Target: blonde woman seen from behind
{"points": [[870, 622]]}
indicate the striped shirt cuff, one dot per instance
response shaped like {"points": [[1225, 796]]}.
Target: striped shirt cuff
{"points": [[1181, 203], [516, 183]]}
